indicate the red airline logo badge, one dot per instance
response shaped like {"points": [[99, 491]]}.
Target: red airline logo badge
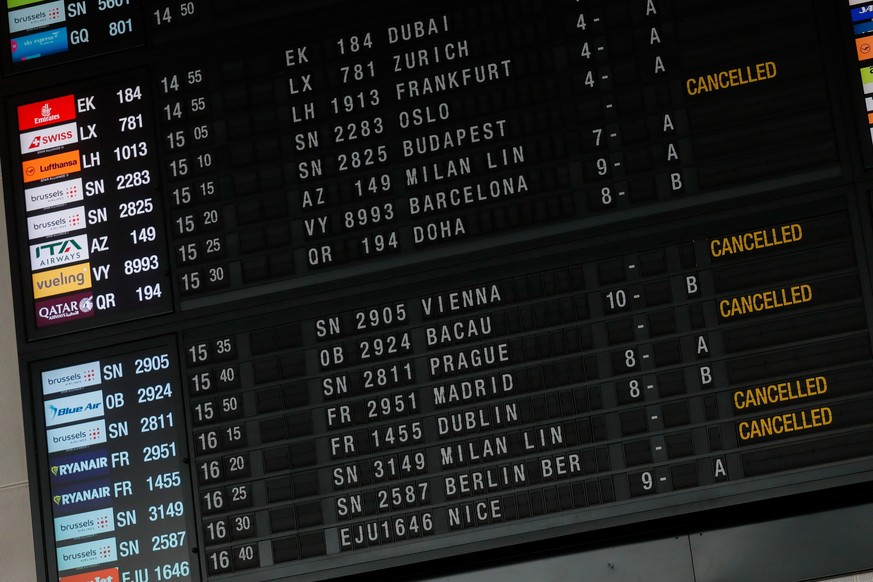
{"points": [[43, 113]]}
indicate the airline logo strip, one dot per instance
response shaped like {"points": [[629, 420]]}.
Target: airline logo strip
{"points": [[94, 218], [862, 21], [97, 462]]}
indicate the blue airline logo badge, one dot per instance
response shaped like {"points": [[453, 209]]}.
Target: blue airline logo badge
{"points": [[40, 44], [83, 496], [78, 466], [862, 13]]}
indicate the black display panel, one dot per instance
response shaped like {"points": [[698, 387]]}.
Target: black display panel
{"points": [[42, 34], [116, 494], [408, 283], [90, 208]]}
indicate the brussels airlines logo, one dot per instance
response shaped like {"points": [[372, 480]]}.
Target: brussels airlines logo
{"points": [[59, 252], [54, 223], [109, 575], [63, 309], [87, 554], [71, 378], [30, 18], [53, 137], [79, 466], [83, 525], [74, 408], [55, 194], [77, 436]]}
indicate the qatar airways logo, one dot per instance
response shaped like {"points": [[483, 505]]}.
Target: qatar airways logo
{"points": [[49, 138]]}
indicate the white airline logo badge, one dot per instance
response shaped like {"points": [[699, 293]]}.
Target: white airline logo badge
{"points": [[49, 138], [55, 194], [71, 378], [59, 252], [86, 524], [87, 554], [76, 436], [74, 408], [53, 223]]}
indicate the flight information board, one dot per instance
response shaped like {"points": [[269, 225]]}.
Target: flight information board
{"points": [[318, 289]]}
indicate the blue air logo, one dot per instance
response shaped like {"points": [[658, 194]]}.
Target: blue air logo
{"points": [[74, 408]]}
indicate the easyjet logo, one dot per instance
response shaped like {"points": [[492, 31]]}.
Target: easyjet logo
{"points": [[110, 575]]}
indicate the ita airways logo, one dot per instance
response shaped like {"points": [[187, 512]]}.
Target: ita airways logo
{"points": [[110, 575], [49, 112], [59, 252]]}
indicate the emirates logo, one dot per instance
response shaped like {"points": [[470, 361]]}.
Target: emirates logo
{"points": [[46, 110]]}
